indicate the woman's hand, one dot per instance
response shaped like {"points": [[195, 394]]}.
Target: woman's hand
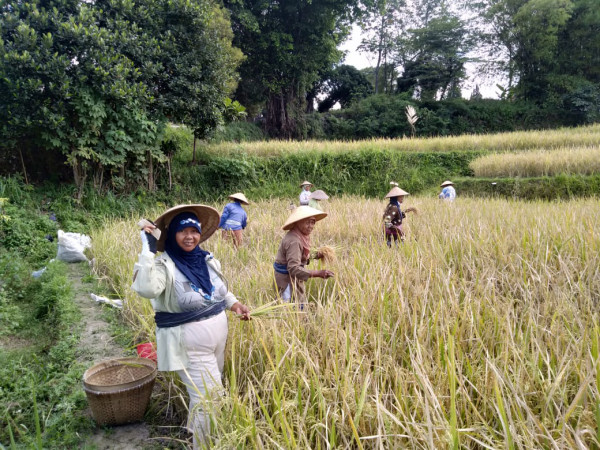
{"points": [[321, 274], [241, 310]]}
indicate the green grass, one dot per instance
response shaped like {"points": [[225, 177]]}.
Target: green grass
{"points": [[40, 394]]}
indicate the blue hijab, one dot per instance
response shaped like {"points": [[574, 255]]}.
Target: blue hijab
{"points": [[191, 264]]}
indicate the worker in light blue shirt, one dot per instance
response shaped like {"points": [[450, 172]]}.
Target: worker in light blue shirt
{"points": [[234, 219], [448, 193]]}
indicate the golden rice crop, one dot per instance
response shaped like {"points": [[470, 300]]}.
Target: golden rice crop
{"points": [[570, 160], [327, 252], [517, 140], [481, 331]]}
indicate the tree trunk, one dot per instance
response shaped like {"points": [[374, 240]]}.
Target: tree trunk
{"points": [[280, 121], [381, 31], [194, 151], [79, 175], [150, 172], [98, 178], [23, 165], [169, 170]]}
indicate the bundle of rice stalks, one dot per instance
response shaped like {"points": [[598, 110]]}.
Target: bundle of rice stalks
{"points": [[327, 252], [272, 310]]}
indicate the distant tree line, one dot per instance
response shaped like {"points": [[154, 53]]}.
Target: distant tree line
{"points": [[93, 83], [547, 50]]}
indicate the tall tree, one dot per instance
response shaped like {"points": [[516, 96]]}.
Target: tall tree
{"points": [[345, 84], [525, 34], [434, 57], [383, 22], [287, 45]]}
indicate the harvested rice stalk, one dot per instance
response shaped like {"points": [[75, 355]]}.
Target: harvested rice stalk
{"points": [[268, 309], [327, 252]]}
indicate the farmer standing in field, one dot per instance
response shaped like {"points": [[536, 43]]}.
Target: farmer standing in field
{"points": [[448, 192], [315, 198], [234, 219], [294, 255], [189, 296], [393, 215], [305, 194]]}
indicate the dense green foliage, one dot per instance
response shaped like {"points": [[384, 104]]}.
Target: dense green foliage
{"points": [[343, 85], [354, 172], [546, 188], [239, 132], [288, 45], [92, 84], [383, 116]]}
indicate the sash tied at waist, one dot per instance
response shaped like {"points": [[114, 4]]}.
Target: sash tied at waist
{"points": [[168, 320]]}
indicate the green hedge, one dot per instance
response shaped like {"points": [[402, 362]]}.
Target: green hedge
{"points": [[547, 188], [365, 173]]}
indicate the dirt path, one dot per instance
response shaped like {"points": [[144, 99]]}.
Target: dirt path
{"points": [[97, 345]]}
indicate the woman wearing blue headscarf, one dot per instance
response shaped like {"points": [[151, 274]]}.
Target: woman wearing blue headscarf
{"points": [[189, 296]]}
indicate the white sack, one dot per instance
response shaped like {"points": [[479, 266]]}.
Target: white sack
{"points": [[71, 246]]}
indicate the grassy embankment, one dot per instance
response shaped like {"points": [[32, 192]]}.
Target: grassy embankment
{"points": [[481, 331], [274, 169]]}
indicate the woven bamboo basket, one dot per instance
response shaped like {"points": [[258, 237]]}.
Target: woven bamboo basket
{"points": [[118, 390]]}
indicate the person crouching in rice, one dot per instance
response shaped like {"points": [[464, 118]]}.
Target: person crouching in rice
{"points": [[189, 296], [234, 219], [294, 255], [316, 197], [393, 215]]}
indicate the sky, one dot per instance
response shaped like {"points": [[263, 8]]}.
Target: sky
{"points": [[361, 60]]}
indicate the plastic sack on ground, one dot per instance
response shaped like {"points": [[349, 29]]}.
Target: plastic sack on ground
{"points": [[71, 246], [108, 301]]}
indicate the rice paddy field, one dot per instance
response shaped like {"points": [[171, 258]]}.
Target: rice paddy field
{"points": [[537, 163], [519, 140], [480, 331]]}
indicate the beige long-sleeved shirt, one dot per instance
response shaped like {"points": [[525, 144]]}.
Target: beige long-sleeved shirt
{"points": [[290, 255]]}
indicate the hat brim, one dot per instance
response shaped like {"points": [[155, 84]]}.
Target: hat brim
{"points": [[301, 213], [396, 192], [307, 183], [244, 200], [318, 195], [447, 183], [207, 216]]}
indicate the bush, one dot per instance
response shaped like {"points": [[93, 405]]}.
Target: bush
{"points": [[546, 188], [239, 132]]}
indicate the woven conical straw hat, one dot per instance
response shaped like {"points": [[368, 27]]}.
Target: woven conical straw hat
{"points": [[318, 195], [306, 183], [446, 183], [241, 197], [396, 192], [301, 213], [207, 216]]}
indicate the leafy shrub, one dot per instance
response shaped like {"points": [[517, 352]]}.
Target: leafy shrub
{"points": [[239, 132], [547, 188], [383, 116]]}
